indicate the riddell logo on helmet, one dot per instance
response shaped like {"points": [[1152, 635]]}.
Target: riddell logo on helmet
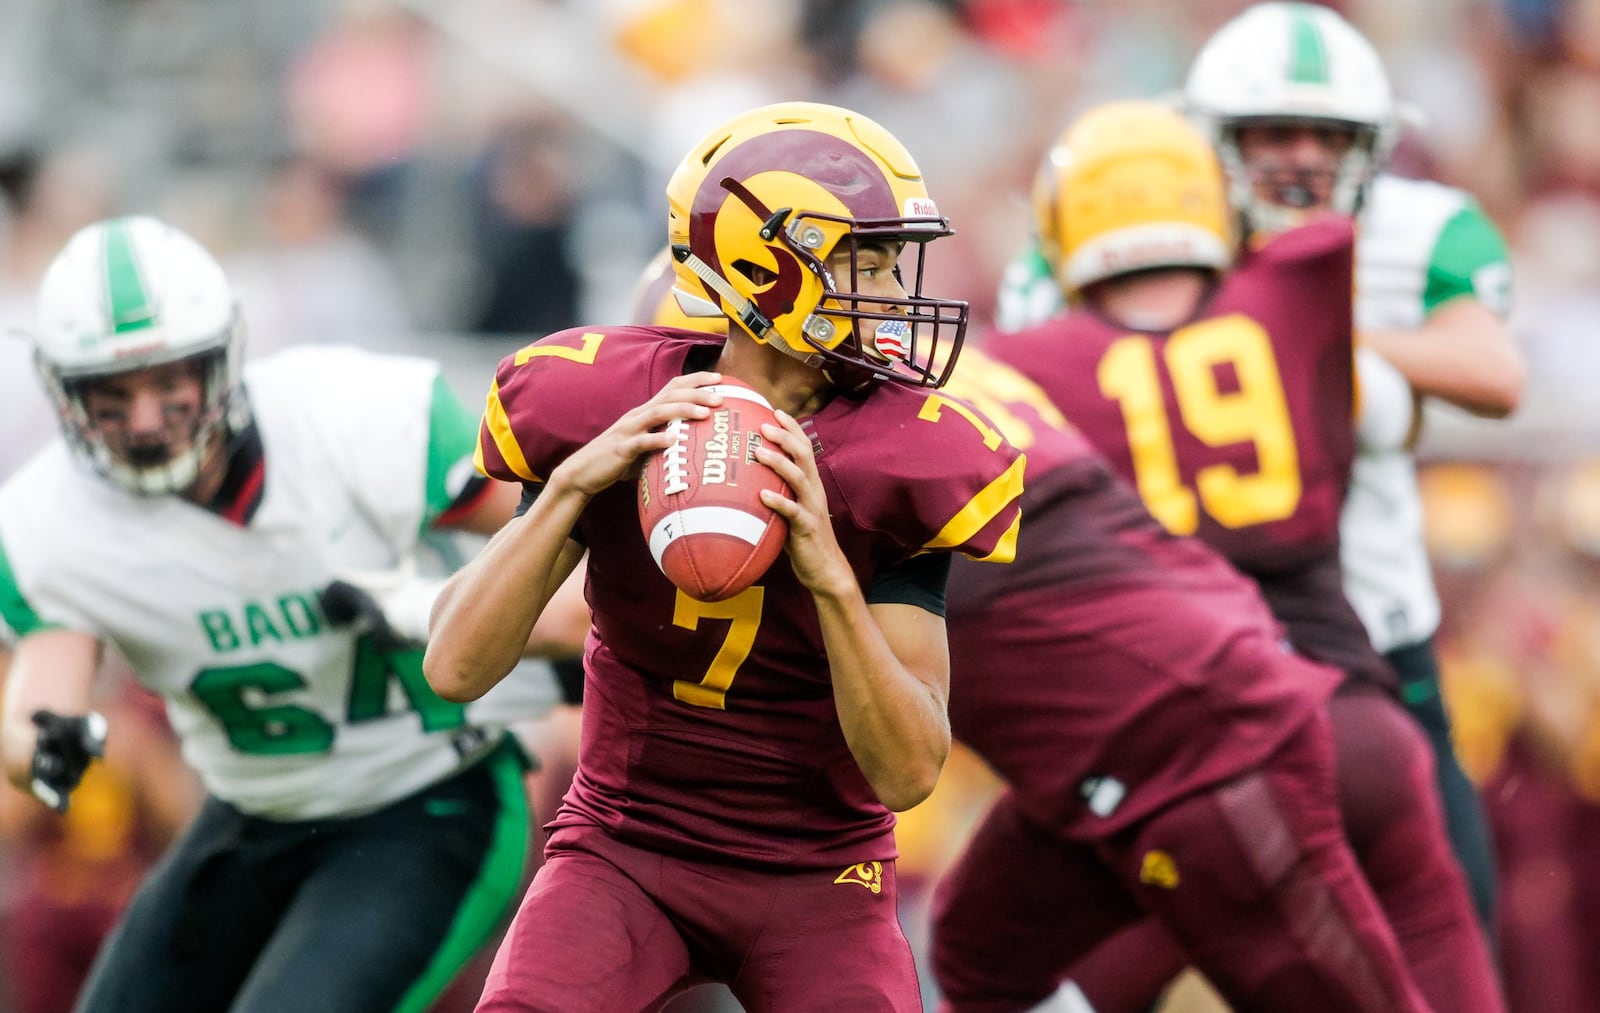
{"points": [[129, 351], [921, 207], [1156, 251]]}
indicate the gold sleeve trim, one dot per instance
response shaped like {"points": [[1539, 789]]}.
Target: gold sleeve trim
{"points": [[982, 509], [498, 426]]}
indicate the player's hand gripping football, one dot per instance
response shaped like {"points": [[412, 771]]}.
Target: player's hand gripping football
{"points": [[61, 753], [619, 452], [814, 553]]}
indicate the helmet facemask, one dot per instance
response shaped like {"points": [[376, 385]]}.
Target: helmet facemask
{"points": [[222, 410], [913, 339], [1292, 193]]}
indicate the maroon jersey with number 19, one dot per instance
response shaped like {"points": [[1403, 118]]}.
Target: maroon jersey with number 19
{"points": [[1237, 426], [1114, 667], [709, 728]]}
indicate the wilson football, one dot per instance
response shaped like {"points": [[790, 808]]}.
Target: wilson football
{"points": [[700, 499]]}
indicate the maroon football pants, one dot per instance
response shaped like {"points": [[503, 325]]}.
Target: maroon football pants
{"points": [[1392, 818], [610, 928], [1253, 877]]}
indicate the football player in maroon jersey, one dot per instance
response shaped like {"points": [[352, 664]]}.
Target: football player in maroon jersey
{"points": [[1224, 392], [1131, 687], [731, 818], [1163, 752]]}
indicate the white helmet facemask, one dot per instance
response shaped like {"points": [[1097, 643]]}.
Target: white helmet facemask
{"points": [[1294, 190], [125, 295]]}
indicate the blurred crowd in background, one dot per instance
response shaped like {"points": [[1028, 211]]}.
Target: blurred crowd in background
{"points": [[452, 177]]}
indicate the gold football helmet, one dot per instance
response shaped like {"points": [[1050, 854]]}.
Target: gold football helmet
{"points": [[756, 209], [1131, 186]]}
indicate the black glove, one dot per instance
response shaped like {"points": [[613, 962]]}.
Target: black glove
{"points": [[345, 604], [61, 753]]}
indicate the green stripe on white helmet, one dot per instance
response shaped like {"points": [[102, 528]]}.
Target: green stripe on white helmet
{"points": [[130, 305], [1308, 61]]}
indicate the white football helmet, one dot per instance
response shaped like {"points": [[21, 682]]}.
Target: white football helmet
{"points": [[1293, 62], [129, 293]]}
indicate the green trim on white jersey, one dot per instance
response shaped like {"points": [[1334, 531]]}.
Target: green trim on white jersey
{"points": [[452, 440], [1470, 258], [1029, 293], [1419, 245], [16, 613], [280, 713]]}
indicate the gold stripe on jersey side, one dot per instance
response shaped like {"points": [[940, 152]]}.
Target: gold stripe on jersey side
{"points": [[498, 426], [981, 510], [1005, 550]]}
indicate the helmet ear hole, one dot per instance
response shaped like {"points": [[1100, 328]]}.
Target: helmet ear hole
{"points": [[753, 272]]}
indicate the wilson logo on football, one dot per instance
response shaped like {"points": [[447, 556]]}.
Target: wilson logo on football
{"points": [[723, 444]]}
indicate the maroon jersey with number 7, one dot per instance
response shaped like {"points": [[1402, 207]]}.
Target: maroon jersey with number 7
{"points": [[709, 728]]}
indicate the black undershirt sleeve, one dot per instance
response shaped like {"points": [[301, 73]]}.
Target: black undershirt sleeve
{"points": [[530, 492], [918, 581]]}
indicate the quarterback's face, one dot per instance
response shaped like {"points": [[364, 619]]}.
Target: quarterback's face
{"points": [[147, 416], [875, 270], [1294, 164], [875, 278]]}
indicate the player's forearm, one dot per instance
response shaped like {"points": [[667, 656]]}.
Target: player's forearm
{"points": [[484, 617], [895, 723], [17, 736], [13, 745], [563, 624], [1462, 355], [51, 670]]}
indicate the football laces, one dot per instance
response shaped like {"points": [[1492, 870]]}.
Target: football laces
{"points": [[675, 459]]}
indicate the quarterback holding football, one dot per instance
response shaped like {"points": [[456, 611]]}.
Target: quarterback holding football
{"points": [[744, 745]]}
